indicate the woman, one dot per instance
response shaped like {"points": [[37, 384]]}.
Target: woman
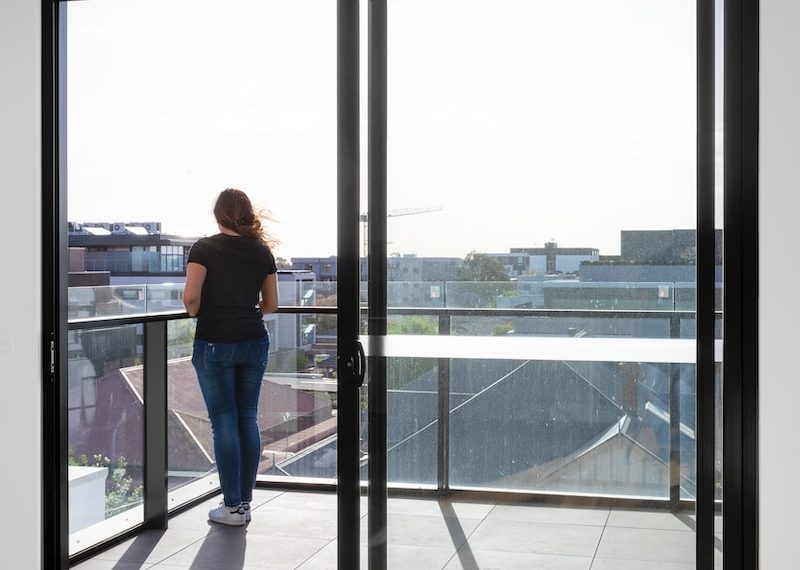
{"points": [[224, 275]]}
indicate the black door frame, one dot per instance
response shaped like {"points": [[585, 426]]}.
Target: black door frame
{"points": [[55, 490], [350, 361], [740, 329], [740, 299]]}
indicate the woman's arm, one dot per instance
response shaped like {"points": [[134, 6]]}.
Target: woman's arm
{"points": [[195, 276], [269, 294]]}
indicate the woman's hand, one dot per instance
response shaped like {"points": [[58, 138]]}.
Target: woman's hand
{"points": [[195, 276], [269, 294]]}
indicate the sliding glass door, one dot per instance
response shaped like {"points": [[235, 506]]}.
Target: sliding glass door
{"points": [[160, 106], [541, 260], [502, 271]]}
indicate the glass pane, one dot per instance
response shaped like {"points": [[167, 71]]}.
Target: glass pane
{"points": [[241, 95], [412, 430], [106, 438], [297, 411], [191, 467], [541, 177], [560, 426]]}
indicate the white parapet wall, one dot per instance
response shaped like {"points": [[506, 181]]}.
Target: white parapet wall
{"points": [[87, 496]]}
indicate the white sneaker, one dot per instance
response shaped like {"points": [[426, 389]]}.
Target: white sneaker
{"points": [[233, 516], [246, 506]]}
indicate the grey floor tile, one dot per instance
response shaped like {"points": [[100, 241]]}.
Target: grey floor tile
{"points": [[400, 557], [261, 496], [542, 538], [609, 564], [424, 530], [325, 559], [235, 548], [311, 501], [647, 544], [194, 519], [95, 564], [467, 559], [306, 500], [438, 508], [417, 557], [565, 515], [281, 521], [647, 519], [153, 546], [164, 566]]}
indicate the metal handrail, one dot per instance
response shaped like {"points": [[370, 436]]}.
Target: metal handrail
{"points": [[140, 318]]}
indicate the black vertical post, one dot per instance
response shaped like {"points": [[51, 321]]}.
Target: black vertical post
{"points": [[740, 311], [378, 303], [704, 369], [674, 423], [443, 431], [347, 207], [155, 425], [55, 490]]}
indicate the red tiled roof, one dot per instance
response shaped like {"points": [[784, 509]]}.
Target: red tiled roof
{"points": [[114, 425]]}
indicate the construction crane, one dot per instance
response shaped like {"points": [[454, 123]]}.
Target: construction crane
{"points": [[393, 214]]}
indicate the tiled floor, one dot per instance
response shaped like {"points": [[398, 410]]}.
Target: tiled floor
{"points": [[293, 530]]}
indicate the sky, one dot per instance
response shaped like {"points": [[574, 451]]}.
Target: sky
{"points": [[520, 121]]}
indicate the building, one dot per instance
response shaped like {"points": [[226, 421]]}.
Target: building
{"points": [[130, 252], [101, 394], [410, 267], [665, 259], [550, 259], [323, 267], [663, 247], [407, 267]]}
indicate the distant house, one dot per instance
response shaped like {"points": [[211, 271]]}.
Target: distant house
{"points": [[547, 260], [533, 425], [107, 419], [130, 252]]}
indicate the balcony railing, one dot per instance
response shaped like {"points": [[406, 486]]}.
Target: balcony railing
{"points": [[634, 367]]}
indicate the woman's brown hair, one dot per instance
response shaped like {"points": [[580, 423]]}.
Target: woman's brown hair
{"points": [[233, 210]]}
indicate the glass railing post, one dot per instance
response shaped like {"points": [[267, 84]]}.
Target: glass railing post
{"points": [[674, 423], [443, 431], [155, 425]]}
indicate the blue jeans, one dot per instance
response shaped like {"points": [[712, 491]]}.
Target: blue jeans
{"points": [[230, 376]]}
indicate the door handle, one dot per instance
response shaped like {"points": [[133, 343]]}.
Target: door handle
{"points": [[355, 361], [362, 364]]}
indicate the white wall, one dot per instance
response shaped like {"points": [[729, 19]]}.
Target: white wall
{"points": [[20, 290], [779, 303]]}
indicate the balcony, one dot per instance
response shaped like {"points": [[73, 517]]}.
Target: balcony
{"points": [[297, 530], [516, 436]]}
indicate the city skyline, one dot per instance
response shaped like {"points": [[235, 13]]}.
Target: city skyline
{"points": [[516, 147]]}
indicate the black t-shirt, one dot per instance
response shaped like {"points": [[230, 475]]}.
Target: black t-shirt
{"points": [[235, 269]]}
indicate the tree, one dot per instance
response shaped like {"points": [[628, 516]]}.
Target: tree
{"points": [[401, 371], [502, 329], [412, 325], [481, 267], [283, 263]]}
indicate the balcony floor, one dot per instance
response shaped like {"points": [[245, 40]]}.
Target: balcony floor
{"points": [[297, 530]]}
